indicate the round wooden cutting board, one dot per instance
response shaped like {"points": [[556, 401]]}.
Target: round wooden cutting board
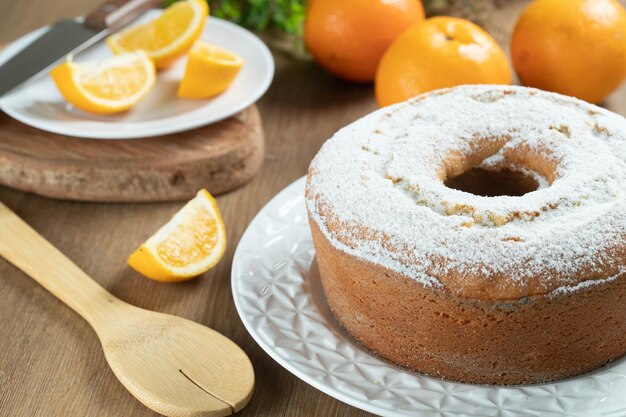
{"points": [[218, 157]]}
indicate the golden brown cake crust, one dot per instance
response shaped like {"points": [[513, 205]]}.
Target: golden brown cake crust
{"points": [[534, 339]]}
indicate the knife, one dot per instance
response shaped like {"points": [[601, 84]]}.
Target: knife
{"points": [[69, 36]]}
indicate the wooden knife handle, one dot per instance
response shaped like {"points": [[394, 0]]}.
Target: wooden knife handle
{"points": [[115, 14]]}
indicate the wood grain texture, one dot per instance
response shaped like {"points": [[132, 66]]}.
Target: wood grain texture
{"points": [[218, 157], [51, 365], [174, 366]]}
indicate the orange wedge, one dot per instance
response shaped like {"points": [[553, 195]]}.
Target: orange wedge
{"points": [[108, 86], [166, 38], [190, 244], [209, 71]]}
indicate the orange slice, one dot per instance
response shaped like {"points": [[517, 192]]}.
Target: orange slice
{"points": [[209, 71], [190, 244], [108, 86], [166, 38]]}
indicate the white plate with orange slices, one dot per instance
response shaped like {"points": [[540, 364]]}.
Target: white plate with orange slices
{"points": [[154, 107]]}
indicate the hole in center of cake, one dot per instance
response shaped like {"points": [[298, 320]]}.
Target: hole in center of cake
{"points": [[492, 183]]}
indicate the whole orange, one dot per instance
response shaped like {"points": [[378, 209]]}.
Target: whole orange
{"points": [[436, 53], [348, 37], [572, 47]]}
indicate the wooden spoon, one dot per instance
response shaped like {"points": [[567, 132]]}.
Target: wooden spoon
{"points": [[172, 365]]}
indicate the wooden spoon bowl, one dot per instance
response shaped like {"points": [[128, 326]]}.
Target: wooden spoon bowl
{"points": [[175, 366]]}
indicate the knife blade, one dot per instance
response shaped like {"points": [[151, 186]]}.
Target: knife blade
{"points": [[69, 36], [66, 36]]}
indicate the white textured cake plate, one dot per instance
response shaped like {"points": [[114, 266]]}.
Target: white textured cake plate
{"points": [[280, 300], [38, 103]]}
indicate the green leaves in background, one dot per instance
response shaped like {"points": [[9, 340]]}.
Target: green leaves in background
{"points": [[284, 15]]}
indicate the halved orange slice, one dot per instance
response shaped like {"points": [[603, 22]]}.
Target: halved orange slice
{"points": [[190, 244], [166, 38], [108, 86], [209, 71]]}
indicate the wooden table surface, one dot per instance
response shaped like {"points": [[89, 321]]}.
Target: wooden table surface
{"points": [[51, 363]]}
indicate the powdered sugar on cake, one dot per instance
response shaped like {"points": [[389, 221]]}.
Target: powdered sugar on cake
{"points": [[376, 190]]}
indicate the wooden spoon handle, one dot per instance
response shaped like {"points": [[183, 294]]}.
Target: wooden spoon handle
{"points": [[30, 252]]}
